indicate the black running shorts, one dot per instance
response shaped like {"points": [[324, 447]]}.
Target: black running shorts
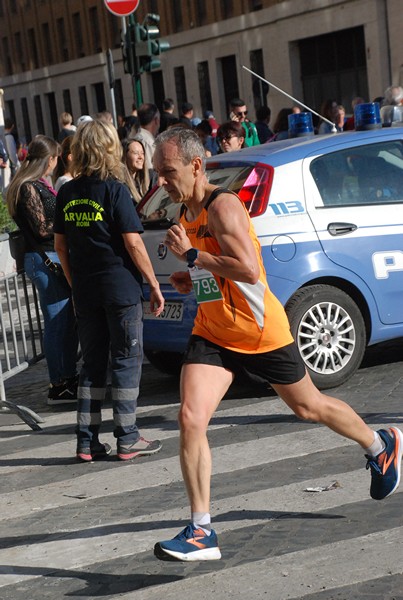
{"points": [[282, 366]]}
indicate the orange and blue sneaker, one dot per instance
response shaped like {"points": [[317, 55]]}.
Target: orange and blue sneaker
{"points": [[191, 544], [386, 466]]}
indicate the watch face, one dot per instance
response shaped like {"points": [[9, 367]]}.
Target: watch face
{"points": [[191, 255]]}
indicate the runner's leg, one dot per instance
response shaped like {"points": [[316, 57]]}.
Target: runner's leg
{"points": [[202, 388], [309, 403]]}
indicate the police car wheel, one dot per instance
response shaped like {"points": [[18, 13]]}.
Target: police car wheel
{"points": [[330, 333]]}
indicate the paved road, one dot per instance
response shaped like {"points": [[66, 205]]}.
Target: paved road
{"points": [[87, 531]]}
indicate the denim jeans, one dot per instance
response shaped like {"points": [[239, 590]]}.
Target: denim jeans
{"points": [[115, 331], [60, 339]]}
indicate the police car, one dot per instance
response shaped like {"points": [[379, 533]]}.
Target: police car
{"points": [[328, 211]]}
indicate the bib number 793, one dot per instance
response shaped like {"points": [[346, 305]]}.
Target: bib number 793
{"points": [[204, 285]]}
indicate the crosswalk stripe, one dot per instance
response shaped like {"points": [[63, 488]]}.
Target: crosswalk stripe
{"points": [[312, 570], [295, 575], [164, 430], [91, 546], [148, 474], [72, 550], [167, 470]]}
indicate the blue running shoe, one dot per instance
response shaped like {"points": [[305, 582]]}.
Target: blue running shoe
{"points": [[385, 468], [191, 544]]}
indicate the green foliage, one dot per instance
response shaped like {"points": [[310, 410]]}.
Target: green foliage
{"points": [[6, 222]]}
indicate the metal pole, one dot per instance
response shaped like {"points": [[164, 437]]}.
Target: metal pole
{"points": [[111, 77]]}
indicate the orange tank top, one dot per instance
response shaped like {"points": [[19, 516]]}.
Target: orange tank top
{"points": [[248, 318]]}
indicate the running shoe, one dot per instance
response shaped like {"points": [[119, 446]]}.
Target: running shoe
{"points": [[140, 448], [90, 453], [386, 466], [191, 544]]}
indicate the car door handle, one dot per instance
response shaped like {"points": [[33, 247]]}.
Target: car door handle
{"points": [[341, 228]]}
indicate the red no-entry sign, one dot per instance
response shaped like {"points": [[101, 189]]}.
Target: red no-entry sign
{"points": [[122, 8]]}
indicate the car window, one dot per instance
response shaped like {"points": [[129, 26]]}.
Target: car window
{"points": [[159, 208], [371, 174]]}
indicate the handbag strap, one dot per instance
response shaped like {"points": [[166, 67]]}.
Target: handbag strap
{"points": [[39, 250]]}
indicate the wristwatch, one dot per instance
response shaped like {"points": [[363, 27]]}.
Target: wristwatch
{"points": [[191, 256]]}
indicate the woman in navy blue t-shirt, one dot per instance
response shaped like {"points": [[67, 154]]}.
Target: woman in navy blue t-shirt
{"points": [[97, 238]]}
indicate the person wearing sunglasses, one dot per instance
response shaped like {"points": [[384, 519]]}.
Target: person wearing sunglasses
{"points": [[239, 113], [231, 136]]}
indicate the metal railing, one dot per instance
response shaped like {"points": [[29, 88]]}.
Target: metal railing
{"points": [[21, 337]]}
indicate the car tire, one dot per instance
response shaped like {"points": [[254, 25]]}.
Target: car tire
{"points": [[166, 362], [330, 333]]}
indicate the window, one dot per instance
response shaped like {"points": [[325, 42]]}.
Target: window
{"points": [[99, 96], [204, 86], [255, 5], [61, 35], [120, 105], [33, 49], [369, 174], [229, 78], [26, 120], [201, 15], [67, 101], [47, 43], [39, 114], [8, 68], [51, 102], [334, 66], [180, 85], [227, 9], [96, 35], [114, 28], [82, 94], [1, 8], [260, 88], [176, 8], [20, 50], [78, 35]]}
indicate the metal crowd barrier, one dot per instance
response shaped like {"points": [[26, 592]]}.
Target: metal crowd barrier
{"points": [[21, 334]]}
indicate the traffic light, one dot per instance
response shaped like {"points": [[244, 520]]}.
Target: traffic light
{"points": [[148, 46], [128, 50]]}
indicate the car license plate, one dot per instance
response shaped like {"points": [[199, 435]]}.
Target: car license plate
{"points": [[173, 311]]}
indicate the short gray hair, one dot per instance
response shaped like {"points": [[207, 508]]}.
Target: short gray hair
{"points": [[187, 142]]}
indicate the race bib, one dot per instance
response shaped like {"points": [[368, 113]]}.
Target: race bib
{"points": [[204, 285]]}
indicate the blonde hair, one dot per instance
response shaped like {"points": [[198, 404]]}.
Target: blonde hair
{"points": [[32, 168], [96, 150]]}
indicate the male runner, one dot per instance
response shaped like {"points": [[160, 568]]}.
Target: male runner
{"points": [[240, 327]]}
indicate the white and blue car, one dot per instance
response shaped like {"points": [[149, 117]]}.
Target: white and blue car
{"points": [[328, 211]]}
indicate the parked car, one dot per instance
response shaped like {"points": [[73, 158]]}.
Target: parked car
{"points": [[328, 212]]}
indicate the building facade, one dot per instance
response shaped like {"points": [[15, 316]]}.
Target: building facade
{"points": [[54, 55]]}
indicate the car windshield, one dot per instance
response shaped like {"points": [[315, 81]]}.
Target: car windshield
{"points": [[159, 210]]}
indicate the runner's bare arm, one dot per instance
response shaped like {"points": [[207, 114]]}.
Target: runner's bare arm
{"points": [[229, 224]]}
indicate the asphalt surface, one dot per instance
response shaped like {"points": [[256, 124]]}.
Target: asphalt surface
{"points": [[70, 530]]}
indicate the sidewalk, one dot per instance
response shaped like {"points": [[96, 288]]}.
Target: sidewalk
{"points": [[30, 389]]}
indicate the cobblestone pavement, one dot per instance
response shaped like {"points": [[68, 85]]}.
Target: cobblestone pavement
{"points": [[86, 531]]}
